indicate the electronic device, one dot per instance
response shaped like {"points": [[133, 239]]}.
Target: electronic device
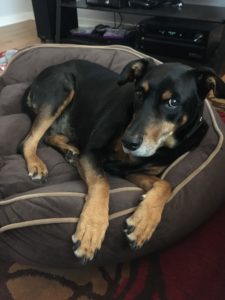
{"points": [[150, 4], [107, 3], [100, 29], [172, 37], [104, 34]]}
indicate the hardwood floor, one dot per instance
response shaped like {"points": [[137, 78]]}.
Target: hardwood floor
{"points": [[18, 36]]}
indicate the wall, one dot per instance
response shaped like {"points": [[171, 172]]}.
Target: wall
{"points": [[14, 11]]}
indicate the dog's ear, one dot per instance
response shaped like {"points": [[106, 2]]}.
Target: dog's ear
{"points": [[208, 81], [134, 70]]}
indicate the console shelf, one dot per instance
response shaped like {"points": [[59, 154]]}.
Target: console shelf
{"points": [[188, 11], [66, 18]]}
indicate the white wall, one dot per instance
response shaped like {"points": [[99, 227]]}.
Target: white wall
{"points": [[14, 11]]}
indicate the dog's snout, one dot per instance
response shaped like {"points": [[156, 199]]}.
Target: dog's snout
{"points": [[132, 142]]}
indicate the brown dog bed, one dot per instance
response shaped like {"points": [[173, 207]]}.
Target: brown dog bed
{"points": [[37, 221]]}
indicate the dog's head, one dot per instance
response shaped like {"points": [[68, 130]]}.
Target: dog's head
{"points": [[168, 102]]}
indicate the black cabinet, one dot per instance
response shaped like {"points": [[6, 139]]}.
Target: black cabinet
{"points": [[54, 20], [45, 17], [66, 19]]}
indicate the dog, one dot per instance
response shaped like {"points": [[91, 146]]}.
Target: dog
{"points": [[132, 125]]}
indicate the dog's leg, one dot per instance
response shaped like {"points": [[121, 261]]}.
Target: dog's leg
{"points": [[61, 142], [143, 222], [37, 170], [93, 220]]}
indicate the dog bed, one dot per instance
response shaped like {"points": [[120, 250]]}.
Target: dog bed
{"points": [[38, 220]]}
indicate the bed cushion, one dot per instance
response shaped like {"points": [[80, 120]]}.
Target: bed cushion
{"points": [[38, 220]]}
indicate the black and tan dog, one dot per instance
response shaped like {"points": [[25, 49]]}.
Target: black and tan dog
{"points": [[131, 126]]}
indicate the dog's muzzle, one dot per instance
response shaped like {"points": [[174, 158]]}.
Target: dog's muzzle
{"points": [[132, 142]]}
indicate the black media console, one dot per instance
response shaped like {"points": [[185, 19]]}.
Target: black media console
{"points": [[194, 34]]}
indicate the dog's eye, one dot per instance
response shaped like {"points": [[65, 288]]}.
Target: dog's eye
{"points": [[172, 103], [139, 98]]}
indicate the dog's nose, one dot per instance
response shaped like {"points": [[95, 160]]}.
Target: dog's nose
{"points": [[132, 142]]}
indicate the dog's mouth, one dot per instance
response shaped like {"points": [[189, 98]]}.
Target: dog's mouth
{"points": [[142, 151], [149, 148], [147, 144]]}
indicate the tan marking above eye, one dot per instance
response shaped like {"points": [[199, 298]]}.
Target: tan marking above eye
{"points": [[184, 120], [211, 81], [137, 67], [167, 94], [145, 86]]}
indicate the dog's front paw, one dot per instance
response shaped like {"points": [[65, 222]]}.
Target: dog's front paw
{"points": [[71, 155], [141, 225], [89, 235], [37, 170]]}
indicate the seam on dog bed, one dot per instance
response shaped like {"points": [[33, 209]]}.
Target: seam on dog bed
{"points": [[110, 47], [37, 195], [51, 221], [171, 166], [62, 194], [38, 222]]}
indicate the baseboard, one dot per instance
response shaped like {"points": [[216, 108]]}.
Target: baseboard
{"points": [[16, 18]]}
